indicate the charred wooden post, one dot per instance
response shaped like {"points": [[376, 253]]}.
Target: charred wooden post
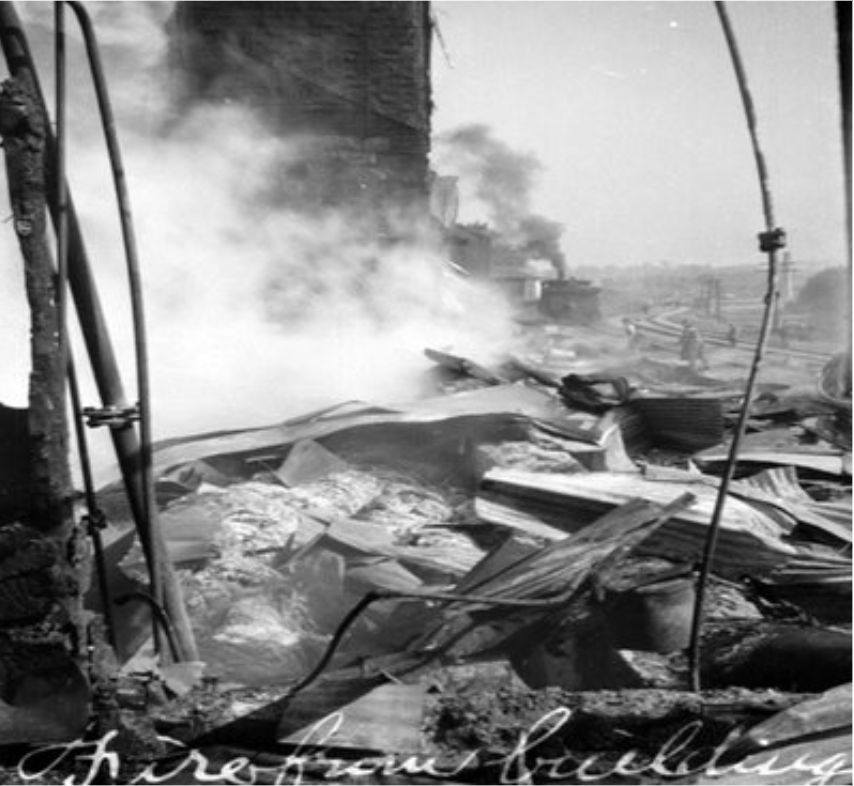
{"points": [[41, 571], [22, 126]]}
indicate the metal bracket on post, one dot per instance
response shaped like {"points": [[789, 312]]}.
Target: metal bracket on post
{"points": [[775, 240], [112, 416]]}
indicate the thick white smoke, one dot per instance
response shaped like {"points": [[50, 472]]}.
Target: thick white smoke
{"points": [[255, 314]]}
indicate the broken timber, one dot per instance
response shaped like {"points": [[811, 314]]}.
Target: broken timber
{"points": [[22, 127], [41, 570]]}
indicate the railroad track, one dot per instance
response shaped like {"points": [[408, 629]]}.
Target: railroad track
{"points": [[665, 328]]}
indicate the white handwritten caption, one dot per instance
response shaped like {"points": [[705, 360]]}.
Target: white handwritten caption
{"points": [[675, 758]]}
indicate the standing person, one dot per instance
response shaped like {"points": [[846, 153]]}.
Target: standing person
{"points": [[702, 362], [732, 335], [692, 347], [688, 343], [631, 333]]}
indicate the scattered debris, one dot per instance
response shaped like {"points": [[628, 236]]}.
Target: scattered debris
{"points": [[526, 545]]}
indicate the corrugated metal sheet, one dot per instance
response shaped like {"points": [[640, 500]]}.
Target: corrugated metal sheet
{"points": [[505, 403], [553, 573], [780, 486], [781, 482], [750, 540]]}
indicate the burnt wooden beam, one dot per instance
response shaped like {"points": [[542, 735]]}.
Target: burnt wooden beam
{"points": [[22, 128], [42, 572]]}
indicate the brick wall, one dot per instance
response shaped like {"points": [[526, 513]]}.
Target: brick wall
{"points": [[353, 77]]}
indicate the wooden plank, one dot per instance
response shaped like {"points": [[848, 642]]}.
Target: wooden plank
{"points": [[520, 520], [829, 463]]}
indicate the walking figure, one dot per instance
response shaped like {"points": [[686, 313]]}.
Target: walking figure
{"points": [[692, 347], [632, 337], [732, 335]]}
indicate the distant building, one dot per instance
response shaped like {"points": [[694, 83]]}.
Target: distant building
{"points": [[350, 81], [444, 200], [470, 247], [520, 286], [571, 300]]}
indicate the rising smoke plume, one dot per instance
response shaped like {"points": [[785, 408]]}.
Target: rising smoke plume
{"points": [[255, 313], [502, 181]]}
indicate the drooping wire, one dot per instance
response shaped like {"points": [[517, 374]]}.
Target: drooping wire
{"points": [[771, 241]]}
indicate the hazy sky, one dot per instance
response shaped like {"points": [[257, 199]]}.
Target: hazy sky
{"points": [[634, 112], [631, 107]]}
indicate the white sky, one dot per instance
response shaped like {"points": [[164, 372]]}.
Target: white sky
{"points": [[634, 112]]}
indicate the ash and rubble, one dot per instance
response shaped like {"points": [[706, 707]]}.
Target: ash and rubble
{"points": [[559, 476], [529, 538]]}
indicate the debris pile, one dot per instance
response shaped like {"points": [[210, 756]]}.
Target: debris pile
{"points": [[527, 529]]}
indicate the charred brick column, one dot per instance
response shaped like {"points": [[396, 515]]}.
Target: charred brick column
{"points": [[349, 82]]}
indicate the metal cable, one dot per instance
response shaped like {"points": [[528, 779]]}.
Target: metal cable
{"points": [[129, 240], [770, 241], [159, 568]]}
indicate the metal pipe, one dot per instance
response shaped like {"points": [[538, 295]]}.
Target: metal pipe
{"points": [[149, 505], [93, 517], [89, 310], [164, 585], [771, 246], [130, 247]]}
